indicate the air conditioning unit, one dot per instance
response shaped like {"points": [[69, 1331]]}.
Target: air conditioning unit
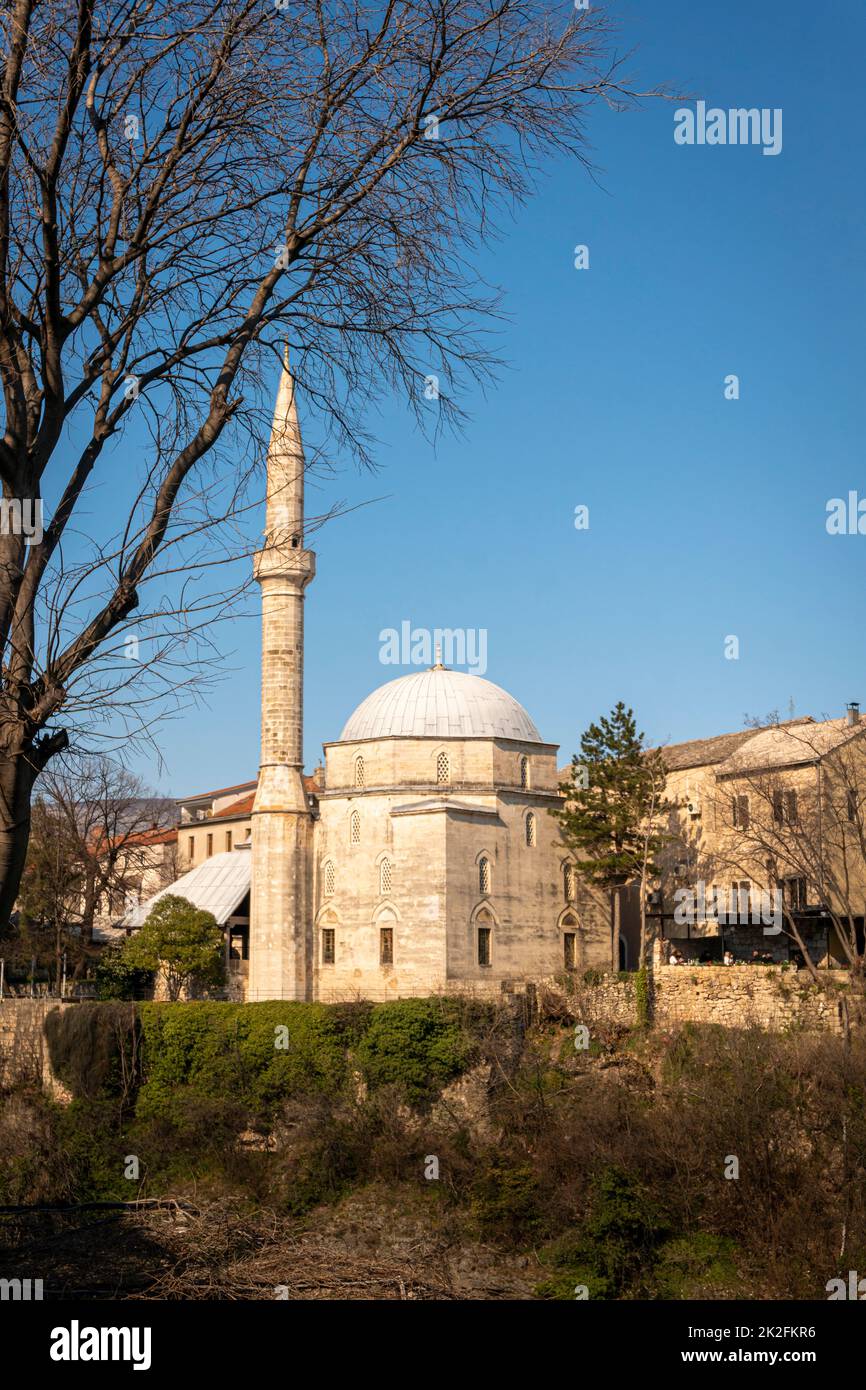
{"points": [[694, 807]]}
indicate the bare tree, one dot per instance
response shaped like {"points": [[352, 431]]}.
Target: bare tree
{"points": [[97, 835], [182, 189]]}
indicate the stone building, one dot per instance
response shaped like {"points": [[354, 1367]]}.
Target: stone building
{"points": [[766, 821], [419, 858]]}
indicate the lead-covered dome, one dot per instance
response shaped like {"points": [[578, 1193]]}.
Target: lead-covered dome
{"points": [[440, 703]]}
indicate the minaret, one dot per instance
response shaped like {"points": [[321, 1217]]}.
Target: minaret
{"points": [[282, 827]]}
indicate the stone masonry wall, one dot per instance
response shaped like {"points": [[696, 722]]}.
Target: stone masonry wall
{"points": [[23, 1049], [734, 996]]}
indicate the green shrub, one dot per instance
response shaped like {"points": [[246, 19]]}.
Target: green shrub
{"points": [[699, 1265], [418, 1044], [231, 1050], [116, 978], [613, 1251], [504, 1201]]}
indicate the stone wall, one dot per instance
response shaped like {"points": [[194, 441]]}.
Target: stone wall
{"points": [[737, 996], [741, 995], [23, 1049]]}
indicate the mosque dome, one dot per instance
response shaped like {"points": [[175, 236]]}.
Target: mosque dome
{"points": [[440, 703]]}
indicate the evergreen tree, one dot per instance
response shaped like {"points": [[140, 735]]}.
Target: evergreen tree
{"points": [[613, 797]]}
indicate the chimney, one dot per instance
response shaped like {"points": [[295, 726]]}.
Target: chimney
{"points": [[853, 716]]}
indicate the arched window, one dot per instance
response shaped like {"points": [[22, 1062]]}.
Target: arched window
{"points": [[355, 828], [524, 773], [359, 772], [569, 941], [330, 877], [484, 938], [385, 878], [443, 772], [569, 877], [530, 827], [484, 875]]}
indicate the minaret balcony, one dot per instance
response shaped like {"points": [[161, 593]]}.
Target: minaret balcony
{"points": [[281, 560]]}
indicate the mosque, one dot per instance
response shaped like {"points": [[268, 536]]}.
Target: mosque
{"points": [[421, 858]]}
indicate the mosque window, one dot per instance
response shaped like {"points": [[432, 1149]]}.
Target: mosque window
{"points": [[386, 945], [530, 828], [209, 846], [524, 773], [330, 879], [359, 772], [327, 945], [484, 875], [385, 877], [483, 945], [443, 772], [568, 939], [355, 828], [569, 875]]}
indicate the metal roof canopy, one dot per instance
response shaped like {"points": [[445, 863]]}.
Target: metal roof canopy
{"points": [[218, 885]]}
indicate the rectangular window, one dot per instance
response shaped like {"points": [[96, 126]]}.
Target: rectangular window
{"points": [[327, 945], [785, 808], [483, 945], [228, 839], [568, 943], [794, 893], [191, 846], [741, 892], [209, 846], [852, 805], [741, 812], [386, 946]]}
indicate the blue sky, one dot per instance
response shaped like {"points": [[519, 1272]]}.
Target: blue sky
{"points": [[707, 516]]}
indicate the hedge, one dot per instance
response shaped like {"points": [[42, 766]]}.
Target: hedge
{"points": [[261, 1054]]}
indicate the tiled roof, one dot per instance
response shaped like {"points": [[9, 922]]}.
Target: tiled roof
{"points": [[703, 752], [237, 808], [221, 791], [789, 745], [152, 837]]}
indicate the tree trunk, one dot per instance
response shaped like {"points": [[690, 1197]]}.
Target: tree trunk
{"points": [[642, 963], [20, 765], [17, 776]]}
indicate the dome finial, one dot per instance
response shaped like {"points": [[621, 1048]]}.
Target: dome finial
{"points": [[437, 664]]}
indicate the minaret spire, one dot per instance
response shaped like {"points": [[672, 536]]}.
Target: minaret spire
{"points": [[284, 515], [280, 901]]}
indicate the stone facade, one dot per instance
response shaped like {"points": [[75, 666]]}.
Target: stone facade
{"points": [[403, 854], [24, 1058], [733, 996], [282, 828]]}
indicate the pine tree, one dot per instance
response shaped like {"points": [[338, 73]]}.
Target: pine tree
{"points": [[612, 800]]}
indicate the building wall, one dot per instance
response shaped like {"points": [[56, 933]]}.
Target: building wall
{"points": [[710, 848], [197, 832], [434, 846]]}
